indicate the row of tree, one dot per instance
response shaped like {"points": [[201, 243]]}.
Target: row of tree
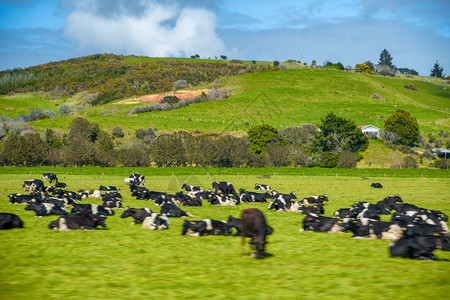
{"points": [[335, 142]]}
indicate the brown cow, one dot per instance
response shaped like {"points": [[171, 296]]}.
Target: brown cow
{"points": [[254, 225]]}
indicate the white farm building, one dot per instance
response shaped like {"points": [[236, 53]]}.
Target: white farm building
{"points": [[370, 129]]}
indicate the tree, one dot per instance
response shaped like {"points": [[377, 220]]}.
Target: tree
{"points": [[224, 57], [364, 68], [64, 110], [261, 136], [437, 71], [385, 59], [338, 134], [276, 63], [84, 129], [404, 125]]}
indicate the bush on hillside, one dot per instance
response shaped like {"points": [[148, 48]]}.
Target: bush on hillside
{"points": [[410, 163], [347, 159], [410, 86], [117, 132], [442, 163], [404, 125], [179, 84], [64, 110]]}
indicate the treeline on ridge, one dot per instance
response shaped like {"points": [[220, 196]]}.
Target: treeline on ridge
{"points": [[107, 77]]}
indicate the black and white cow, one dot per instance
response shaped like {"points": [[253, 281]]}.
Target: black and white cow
{"points": [[254, 225], [376, 185], [45, 209], [283, 202], [61, 185], [21, 198], [94, 209], [33, 185], [224, 200], [84, 221], [366, 228], [156, 222], [317, 209], [223, 187], [50, 177], [112, 203], [108, 188], [205, 227], [173, 211], [138, 179], [262, 187], [419, 247], [419, 242], [314, 200], [191, 188], [342, 213], [317, 223], [138, 214], [246, 196], [10, 221]]}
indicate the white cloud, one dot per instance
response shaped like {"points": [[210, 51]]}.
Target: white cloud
{"points": [[157, 31]]}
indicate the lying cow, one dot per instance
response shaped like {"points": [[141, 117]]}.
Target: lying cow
{"points": [[10, 221], [108, 188], [254, 225], [33, 185], [205, 227], [314, 200], [45, 209], [376, 185], [191, 188], [317, 223], [20, 198], [223, 187], [61, 185], [85, 221], [246, 196], [156, 222], [365, 228], [92, 208], [173, 211], [262, 187], [138, 214], [419, 247]]}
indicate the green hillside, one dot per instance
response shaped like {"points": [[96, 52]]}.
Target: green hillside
{"points": [[283, 98]]}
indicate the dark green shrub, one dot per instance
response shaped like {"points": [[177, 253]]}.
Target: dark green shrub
{"points": [[347, 159], [410, 163]]}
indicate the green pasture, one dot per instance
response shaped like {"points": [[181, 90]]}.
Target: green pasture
{"points": [[281, 98], [125, 261]]}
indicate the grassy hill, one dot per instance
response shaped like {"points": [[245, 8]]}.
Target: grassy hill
{"points": [[280, 98]]}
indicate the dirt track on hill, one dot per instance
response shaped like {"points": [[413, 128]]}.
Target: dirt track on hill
{"points": [[159, 97]]}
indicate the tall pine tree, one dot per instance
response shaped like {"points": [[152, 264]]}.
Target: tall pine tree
{"points": [[385, 59], [437, 70]]}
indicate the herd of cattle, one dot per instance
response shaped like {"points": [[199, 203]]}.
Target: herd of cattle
{"points": [[415, 232]]}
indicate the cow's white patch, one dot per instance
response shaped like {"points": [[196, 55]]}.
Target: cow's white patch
{"points": [[209, 225], [48, 207], [411, 213], [444, 226], [94, 209], [63, 224]]}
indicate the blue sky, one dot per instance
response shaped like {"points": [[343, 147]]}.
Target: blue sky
{"points": [[415, 32]]}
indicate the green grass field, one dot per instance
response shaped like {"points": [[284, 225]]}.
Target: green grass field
{"points": [[125, 261]]}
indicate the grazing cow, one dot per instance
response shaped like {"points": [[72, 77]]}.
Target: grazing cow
{"points": [[365, 228], [254, 225], [237, 224], [138, 214], [10, 221], [50, 177], [205, 227], [45, 209], [246, 196], [173, 211], [317, 223], [314, 200], [33, 185], [156, 222], [376, 185], [223, 187], [94, 209], [191, 188], [108, 188], [262, 187], [85, 221]]}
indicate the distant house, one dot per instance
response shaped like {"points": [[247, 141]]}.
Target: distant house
{"points": [[370, 130], [441, 152]]}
